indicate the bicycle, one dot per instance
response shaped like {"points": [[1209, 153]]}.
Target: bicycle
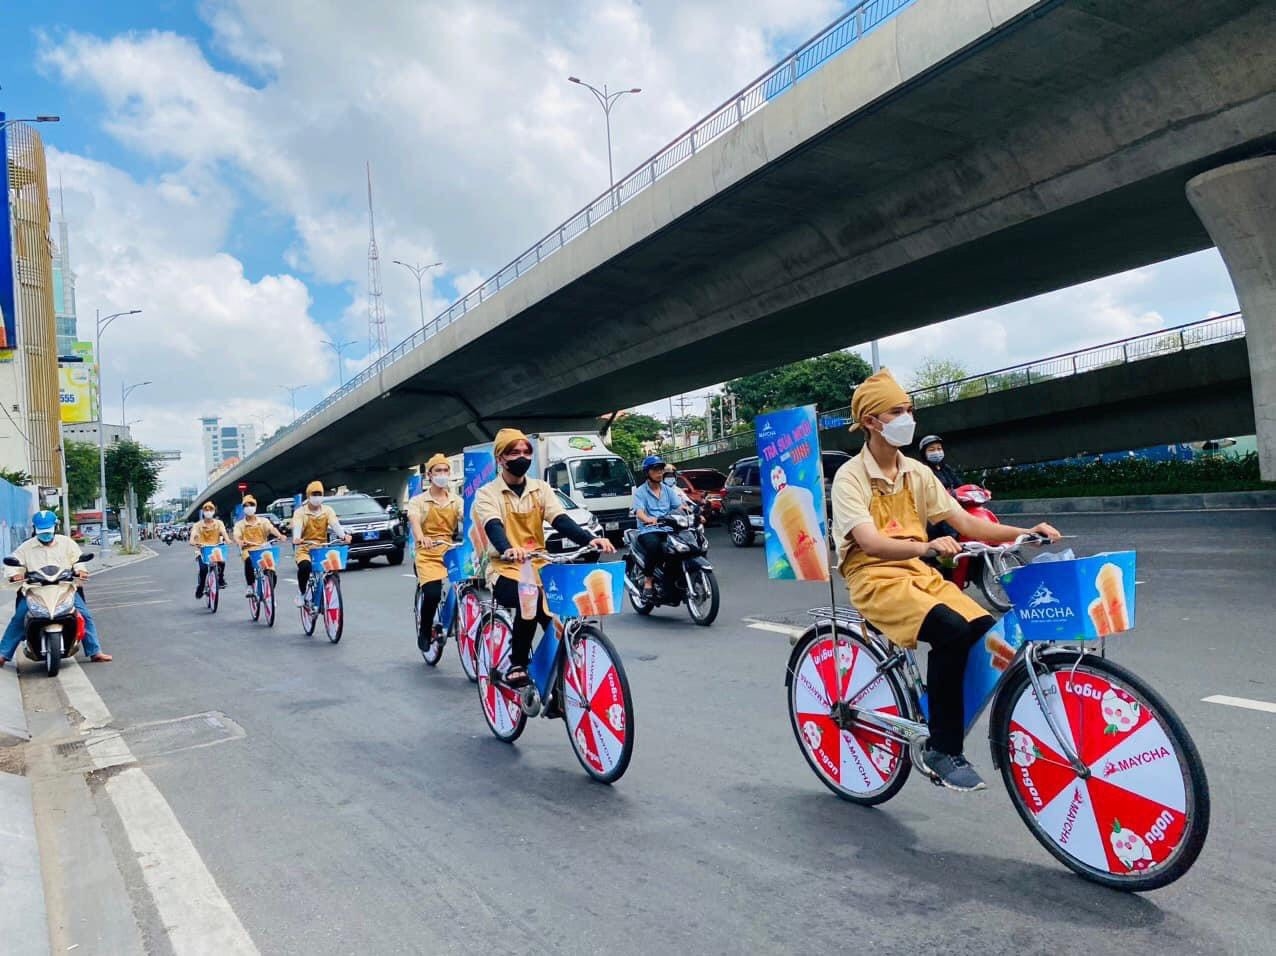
{"points": [[212, 555], [457, 616], [576, 672], [262, 599], [1099, 767], [323, 592]]}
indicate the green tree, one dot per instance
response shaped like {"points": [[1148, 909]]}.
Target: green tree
{"points": [[826, 381], [630, 430], [16, 476], [932, 372], [128, 463], [82, 473]]}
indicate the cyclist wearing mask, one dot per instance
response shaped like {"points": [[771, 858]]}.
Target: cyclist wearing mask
{"points": [[47, 547], [932, 449], [512, 510], [655, 498], [435, 517], [209, 530], [882, 501], [251, 533], [312, 523]]}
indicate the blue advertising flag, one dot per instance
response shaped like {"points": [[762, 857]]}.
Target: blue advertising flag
{"points": [[792, 479], [414, 489], [480, 468]]}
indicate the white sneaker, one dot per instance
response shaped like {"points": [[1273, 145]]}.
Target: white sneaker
{"points": [[249, 592]]}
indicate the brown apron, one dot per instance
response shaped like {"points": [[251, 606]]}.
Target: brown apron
{"points": [[438, 521], [524, 530], [314, 532], [255, 533], [896, 596]]}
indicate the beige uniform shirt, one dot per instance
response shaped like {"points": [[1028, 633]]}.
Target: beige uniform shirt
{"points": [[204, 533], [61, 551], [857, 481], [438, 519], [524, 517]]}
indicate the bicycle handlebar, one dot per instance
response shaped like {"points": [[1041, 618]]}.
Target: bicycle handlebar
{"points": [[970, 549], [565, 557]]}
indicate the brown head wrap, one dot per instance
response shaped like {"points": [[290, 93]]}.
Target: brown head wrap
{"points": [[876, 394]]}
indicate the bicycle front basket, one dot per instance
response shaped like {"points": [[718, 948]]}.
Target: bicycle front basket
{"points": [[1078, 600]]}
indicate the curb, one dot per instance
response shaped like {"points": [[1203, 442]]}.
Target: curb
{"points": [[24, 922], [1117, 504]]}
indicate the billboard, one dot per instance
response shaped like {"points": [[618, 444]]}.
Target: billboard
{"points": [[75, 393], [8, 305]]}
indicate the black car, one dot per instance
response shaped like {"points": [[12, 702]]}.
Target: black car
{"points": [[372, 531], [742, 499]]}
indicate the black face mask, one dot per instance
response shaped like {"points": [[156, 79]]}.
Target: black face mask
{"points": [[518, 467]]}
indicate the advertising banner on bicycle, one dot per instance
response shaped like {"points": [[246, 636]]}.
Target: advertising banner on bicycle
{"points": [[792, 478], [583, 590], [213, 552], [480, 468], [987, 662], [1075, 600], [265, 559], [415, 484], [330, 557]]}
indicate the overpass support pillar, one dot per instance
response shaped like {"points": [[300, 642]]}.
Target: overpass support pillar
{"points": [[1237, 205]]}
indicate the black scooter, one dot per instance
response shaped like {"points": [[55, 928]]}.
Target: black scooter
{"points": [[682, 574]]}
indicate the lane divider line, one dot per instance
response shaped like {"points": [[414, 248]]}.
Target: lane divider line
{"points": [[197, 917], [1244, 702], [786, 629], [112, 607]]}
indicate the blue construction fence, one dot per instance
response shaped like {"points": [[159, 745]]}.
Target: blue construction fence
{"points": [[17, 505]]}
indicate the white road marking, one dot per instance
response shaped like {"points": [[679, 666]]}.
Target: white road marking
{"points": [[196, 915], [1240, 702], [112, 607], [777, 628]]}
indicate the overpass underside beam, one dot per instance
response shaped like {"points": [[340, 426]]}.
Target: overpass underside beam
{"points": [[1237, 205]]}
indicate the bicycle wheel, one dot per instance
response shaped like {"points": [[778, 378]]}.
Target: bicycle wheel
{"points": [[991, 568], [1140, 819], [211, 593], [309, 615], [469, 613], [268, 596], [334, 617], [501, 708], [254, 604], [859, 763], [598, 706], [434, 649]]}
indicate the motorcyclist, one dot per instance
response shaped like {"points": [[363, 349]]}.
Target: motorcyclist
{"points": [[881, 503], [208, 531], [311, 525], [655, 498], [512, 510], [435, 516], [932, 449], [47, 547]]}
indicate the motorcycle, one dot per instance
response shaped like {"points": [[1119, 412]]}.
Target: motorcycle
{"points": [[53, 627], [682, 573], [168, 538], [983, 570]]}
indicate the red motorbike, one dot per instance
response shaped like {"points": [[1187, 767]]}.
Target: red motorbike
{"points": [[982, 570]]}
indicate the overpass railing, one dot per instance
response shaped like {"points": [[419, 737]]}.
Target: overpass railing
{"points": [[834, 39], [1223, 328]]}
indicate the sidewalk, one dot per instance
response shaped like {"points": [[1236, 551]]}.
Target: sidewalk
{"points": [[24, 923]]}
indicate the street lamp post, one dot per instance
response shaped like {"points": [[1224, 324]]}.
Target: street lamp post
{"points": [[35, 119], [103, 323], [606, 99], [337, 347], [125, 392], [419, 271], [292, 391]]}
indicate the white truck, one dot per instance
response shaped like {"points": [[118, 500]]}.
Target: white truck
{"points": [[583, 468]]}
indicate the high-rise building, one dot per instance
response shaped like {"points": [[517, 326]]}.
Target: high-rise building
{"points": [[223, 442], [64, 286]]}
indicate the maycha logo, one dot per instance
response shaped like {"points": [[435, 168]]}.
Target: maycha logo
{"points": [[767, 431], [551, 590], [1043, 595]]}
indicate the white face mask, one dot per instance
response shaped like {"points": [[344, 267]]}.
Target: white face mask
{"points": [[440, 481], [899, 430], [250, 510], [208, 516], [316, 500], [935, 457], [670, 481]]}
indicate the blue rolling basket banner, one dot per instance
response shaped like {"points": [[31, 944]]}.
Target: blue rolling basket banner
{"points": [[1074, 600], [212, 552], [792, 478], [480, 468], [266, 559], [329, 557], [455, 561], [583, 590]]}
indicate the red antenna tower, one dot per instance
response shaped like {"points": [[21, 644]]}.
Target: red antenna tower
{"points": [[378, 338]]}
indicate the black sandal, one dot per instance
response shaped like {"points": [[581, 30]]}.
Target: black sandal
{"points": [[517, 676]]}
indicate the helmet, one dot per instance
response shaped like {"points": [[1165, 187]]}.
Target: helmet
{"points": [[652, 461], [927, 441], [45, 525]]}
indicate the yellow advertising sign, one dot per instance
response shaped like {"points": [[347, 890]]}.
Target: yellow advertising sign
{"points": [[75, 388]]}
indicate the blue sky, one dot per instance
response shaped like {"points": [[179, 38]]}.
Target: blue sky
{"points": [[212, 157]]}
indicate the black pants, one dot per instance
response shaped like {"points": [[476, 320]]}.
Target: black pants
{"points": [[303, 574], [431, 595], [950, 637], [647, 548], [250, 575], [506, 594], [203, 569]]}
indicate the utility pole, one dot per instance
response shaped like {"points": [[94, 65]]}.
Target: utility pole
{"points": [[683, 404], [378, 337]]}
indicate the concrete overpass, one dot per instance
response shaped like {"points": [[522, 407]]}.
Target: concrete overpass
{"points": [[1179, 385], [955, 157]]}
